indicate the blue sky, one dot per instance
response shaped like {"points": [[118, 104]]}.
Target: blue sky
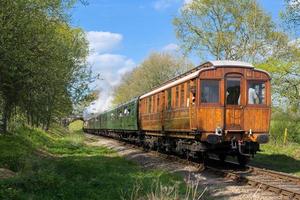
{"points": [[123, 32]]}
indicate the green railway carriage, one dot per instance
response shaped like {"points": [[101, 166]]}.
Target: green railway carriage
{"points": [[122, 118], [90, 124]]}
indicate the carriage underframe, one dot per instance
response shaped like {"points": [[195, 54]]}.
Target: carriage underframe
{"points": [[184, 146]]}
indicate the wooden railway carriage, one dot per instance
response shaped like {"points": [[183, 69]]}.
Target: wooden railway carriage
{"points": [[220, 107]]}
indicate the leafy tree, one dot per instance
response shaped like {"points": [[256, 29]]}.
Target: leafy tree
{"points": [[85, 102], [156, 69], [230, 29], [291, 14], [42, 60]]}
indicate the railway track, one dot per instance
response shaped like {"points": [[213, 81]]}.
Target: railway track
{"points": [[276, 182], [286, 185]]}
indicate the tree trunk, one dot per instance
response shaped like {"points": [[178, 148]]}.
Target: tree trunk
{"points": [[5, 118], [4, 125]]}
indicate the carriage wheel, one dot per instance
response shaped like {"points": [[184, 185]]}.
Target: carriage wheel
{"points": [[243, 160]]}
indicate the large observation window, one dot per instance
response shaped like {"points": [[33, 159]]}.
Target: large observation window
{"points": [[209, 91], [256, 92]]}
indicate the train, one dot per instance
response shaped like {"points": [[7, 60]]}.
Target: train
{"points": [[220, 108]]}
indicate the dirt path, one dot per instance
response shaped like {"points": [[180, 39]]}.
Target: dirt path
{"points": [[6, 173], [218, 187]]}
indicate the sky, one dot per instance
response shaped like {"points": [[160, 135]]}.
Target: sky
{"points": [[122, 33]]}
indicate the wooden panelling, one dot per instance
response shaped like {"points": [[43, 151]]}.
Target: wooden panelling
{"points": [[258, 119], [184, 115], [234, 118], [209, 118], [177, 119]]}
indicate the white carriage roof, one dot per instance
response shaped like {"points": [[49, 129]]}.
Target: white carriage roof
{"points": [[195, 72], [171, 84], [232, 63]]}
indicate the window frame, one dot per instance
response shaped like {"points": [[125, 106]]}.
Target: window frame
{"points": [[200, 90], [177, 96], [266, 92], [182, 95], [169, 99]]}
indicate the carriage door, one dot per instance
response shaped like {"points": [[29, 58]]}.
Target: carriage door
{"points": [[192, 104], [233, 102], [162, 110]]}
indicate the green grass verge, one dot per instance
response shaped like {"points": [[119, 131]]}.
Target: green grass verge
{"points": [[284, 158], [58, 165]]}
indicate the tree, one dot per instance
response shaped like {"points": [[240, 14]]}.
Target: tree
{"points": [[42, 60], [79, 108], [153, 71], [291, 14], [230, 29]]}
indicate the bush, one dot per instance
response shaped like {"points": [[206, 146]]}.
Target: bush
{"points": [[282, 120]]}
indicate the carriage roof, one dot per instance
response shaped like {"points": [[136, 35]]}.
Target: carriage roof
{"points": [[196, 71]]}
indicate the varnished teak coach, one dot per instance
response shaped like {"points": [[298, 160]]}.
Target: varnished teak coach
{"points": [[220, 107]]}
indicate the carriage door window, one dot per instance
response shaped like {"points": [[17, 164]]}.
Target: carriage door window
{"points": [[209, 91], [233, 90], [256, 92], [169, 91]]}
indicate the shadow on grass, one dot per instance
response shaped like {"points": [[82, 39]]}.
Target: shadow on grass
{"points": [[278, 162], [79, 177]]}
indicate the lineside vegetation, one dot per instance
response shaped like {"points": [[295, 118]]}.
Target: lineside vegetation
{"points": [[58, 164], [43, 69]]}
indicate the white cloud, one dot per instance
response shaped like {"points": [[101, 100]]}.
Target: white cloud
{"points": [[187, 1], [103, 41], [164, 4], [110, 66], [171, 47]]}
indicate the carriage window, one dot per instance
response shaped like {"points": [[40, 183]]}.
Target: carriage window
{"points": [[233, 89], [209, 91], [188, 94], [157, 102], [182, 96], [256, 92], [126, 111], [149, 104], [177, 97], [154, 103], [169, 98]]}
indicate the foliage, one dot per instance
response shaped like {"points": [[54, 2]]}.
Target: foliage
{"points": [[231, 29], [153, 71], [163, 192], [80, 106], [59, 165], [291, 14], [285, 71], [282, 120], [42, 60], [76, 126]]}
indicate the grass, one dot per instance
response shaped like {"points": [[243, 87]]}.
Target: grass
{"points": [[58, 165], [279, 157]]}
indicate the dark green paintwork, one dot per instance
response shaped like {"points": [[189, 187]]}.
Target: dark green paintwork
{"points": [[117, 118]]}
